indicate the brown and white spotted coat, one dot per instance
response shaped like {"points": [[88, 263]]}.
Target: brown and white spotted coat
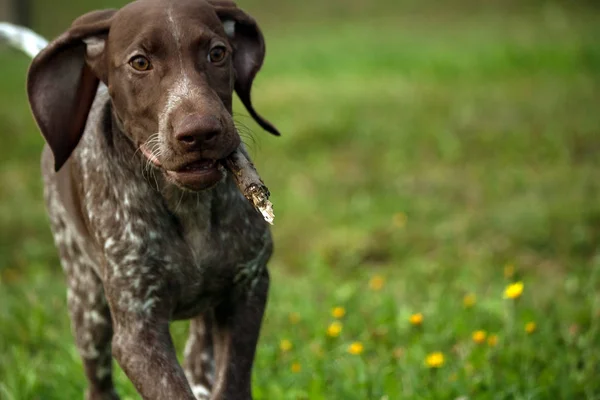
{"points": [[139, 247]]}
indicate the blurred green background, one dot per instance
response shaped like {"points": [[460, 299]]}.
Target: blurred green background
{"points": [[430, 151]]}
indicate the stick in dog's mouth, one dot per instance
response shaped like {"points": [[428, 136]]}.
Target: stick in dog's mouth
{"points": [[250, 184]]}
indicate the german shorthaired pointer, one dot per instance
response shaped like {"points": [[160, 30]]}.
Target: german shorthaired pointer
{"points": [[136, 108]]}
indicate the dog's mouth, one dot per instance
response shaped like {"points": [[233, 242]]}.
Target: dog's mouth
{"points": [[196, 175]]}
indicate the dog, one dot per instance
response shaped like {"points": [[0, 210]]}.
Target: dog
{"points": [[135, 106]]}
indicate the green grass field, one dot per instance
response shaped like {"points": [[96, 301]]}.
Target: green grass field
{"points": [[428, 154]]}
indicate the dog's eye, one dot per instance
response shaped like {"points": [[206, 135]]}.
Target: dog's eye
{"points": [[217, 54], [140, 63]]}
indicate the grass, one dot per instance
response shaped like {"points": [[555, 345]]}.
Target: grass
{"points": [[424, 151]]}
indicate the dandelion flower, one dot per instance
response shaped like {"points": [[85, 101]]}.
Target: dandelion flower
{"points": [[509, 271], [513, 291], [376, 282], [416, 319], [294, 318], [338, 312], [334, 329], [296, 367], [492, 340], [469, 300], [479, 336], [285, 345], [356, 348], [435, 360], [530, 327]]}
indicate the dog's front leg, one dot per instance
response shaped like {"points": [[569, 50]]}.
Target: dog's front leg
{"points": [[143, 347], [236, 331]]}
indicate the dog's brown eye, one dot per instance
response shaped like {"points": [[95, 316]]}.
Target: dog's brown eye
{"points": [[217, 54], [140, 63]]}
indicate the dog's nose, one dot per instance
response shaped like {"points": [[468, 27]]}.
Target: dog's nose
{"points": [[197, 131]]}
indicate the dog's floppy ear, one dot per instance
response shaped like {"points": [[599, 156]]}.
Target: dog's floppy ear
{"points": [[61, 85], [248, 54]]}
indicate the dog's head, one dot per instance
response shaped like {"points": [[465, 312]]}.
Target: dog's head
{"points": [[170, 68]]}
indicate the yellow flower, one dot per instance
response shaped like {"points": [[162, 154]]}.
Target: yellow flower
{"points": [[376, 282], [435, 360], [492, 340], [530, 327], [296, 367], [356, 348], [338, 312], [469, 300], [509, 271], [416, 319], [285, 345], [479, 336], [294, 318], [334, 329], [513, 291], [399, 220]]}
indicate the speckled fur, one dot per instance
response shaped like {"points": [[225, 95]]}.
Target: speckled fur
{"points": [[139, 252], [156, 255]]}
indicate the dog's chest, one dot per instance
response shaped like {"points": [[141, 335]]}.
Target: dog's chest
{"points": [[223, 241], [227, 249], [195, 249]]}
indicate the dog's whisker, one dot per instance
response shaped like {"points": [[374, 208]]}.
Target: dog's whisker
{"points": [[150, 139], [146, 163], [246, 133], [243, 128], [179, 202], [155, 179], [241, 114], [148, 169], [239, 124], [249, 138]]}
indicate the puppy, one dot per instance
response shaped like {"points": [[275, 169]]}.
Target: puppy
{"points": [[136, 108]]}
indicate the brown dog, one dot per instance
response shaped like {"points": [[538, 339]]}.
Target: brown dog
{"points": [[149, 225]]}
